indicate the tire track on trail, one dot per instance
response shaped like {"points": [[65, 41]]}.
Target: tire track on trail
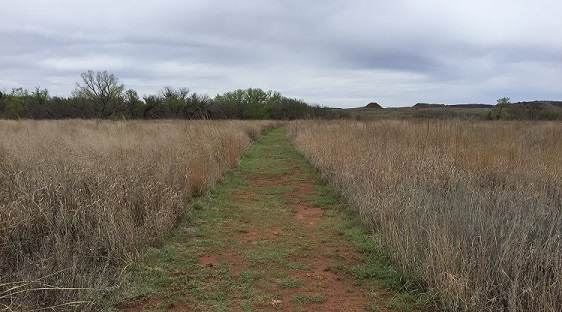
{"points": [[270, 237]]}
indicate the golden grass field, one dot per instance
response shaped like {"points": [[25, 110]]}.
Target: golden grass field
{"points": [[470, 209], [79, 198]]}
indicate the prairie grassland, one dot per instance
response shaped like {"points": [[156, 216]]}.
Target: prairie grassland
{"points": [[79, 198], [473, 210]]}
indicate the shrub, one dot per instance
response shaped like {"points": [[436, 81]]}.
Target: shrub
{"points": [[549, 115]]}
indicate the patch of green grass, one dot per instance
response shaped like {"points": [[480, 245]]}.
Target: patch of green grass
{"points": [[268, 256], [374, 307], [325, 196], [404, 301], [294, 282], [378, 264], [360, 239], [387, 274], [324, 202], [306, 299], [277, 189], [276, 169], [250, 275], [295, 265], [197, 205]]}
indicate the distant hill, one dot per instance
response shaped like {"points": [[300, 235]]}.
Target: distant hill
{"points": [[471, 105], [538, 105], [427, 105], [531, 110], [524, 105], [374, 105]]}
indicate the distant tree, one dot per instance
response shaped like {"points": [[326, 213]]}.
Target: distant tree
{"points": [[197, 106], [295, 109], [153, 107], [60, 108], [134, 104], [504, 101], [258, 104], [275, 106], [229, 105], [38, 104], [252, 103], [41, 95], [175, 100], [180, 103], [103, 90], [101, 95], [502, 110], [15, 103], [255, 103]]}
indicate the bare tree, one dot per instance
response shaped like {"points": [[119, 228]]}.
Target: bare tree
{"points": [[103, 90]]}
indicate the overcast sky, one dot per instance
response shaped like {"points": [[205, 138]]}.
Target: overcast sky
{"points": [[338, 53]]}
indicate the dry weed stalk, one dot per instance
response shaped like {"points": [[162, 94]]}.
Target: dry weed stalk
{"points": [[471, 209], [78, 198]]}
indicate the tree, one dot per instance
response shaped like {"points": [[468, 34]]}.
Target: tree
{"points": [[175, 100], [229, 105], [256, 101], [15, 103], [253, 103], [153, 107], [197, 106], [37, 104], [502, 110], [134, 104], [103, 90], [504, 101]]}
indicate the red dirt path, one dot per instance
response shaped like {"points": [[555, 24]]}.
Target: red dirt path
{"points": [[320, 265]]}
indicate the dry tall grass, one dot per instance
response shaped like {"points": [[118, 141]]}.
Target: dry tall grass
{"points": [[78, 198], [471, 209]]}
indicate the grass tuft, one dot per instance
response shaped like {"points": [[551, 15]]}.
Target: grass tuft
{"points": [[307, 299]]}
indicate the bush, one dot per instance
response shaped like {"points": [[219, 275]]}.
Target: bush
{"points": [[549, 115]]}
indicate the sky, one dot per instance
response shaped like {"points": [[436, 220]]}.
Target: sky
{"points": [[335, 53]]}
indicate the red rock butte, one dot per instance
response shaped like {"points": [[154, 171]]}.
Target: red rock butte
{"points": [[374, 105]]}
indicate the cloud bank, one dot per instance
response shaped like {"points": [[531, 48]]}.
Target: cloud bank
{"points": [[334, 53]]}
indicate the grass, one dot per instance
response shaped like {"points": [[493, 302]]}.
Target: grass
{"points": [[307, 299], [363, 113], [78, 199], [263, 257], [291, 283], [471, 209]]}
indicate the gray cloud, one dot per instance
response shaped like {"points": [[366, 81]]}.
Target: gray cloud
{"points": [[336, 53]]}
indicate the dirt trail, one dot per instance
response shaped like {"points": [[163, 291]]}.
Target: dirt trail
{"points": [[269, 238]]}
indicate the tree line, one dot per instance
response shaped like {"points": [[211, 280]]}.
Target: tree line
{"points": [[101, 95]]}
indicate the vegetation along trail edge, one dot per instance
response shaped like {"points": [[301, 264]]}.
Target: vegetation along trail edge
{"points": [[270, 237]]}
